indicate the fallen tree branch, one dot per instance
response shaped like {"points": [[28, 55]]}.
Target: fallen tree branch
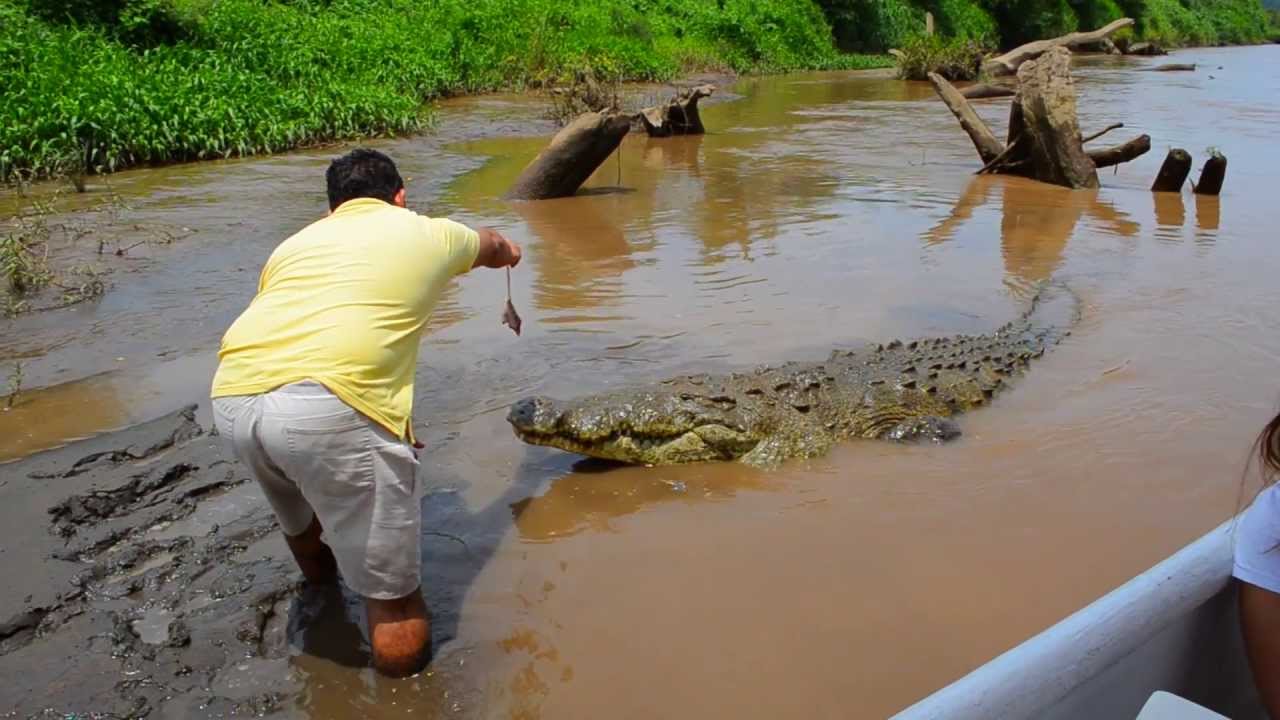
{"points": [[989, 148], [1008, 63], [1103, 131], [1121, 153]]}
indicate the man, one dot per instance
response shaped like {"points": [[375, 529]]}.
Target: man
{"points": [[314, 389]]}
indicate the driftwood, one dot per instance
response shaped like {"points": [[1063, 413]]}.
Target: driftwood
{"points": [[1173, 172], [1008, 63], [1174, 67], [571, 156], [679, 116], [981, 91], [1212, 175], [1044, 140]]}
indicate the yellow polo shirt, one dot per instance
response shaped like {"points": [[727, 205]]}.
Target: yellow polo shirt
{"points": [[343, 302]]}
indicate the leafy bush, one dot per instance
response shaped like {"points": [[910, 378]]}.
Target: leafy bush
{"points": [[953, 58], [966, 19], [873, 25]]}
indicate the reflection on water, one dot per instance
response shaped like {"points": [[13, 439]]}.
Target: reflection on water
{"points": [[595, 495], [583, 249], [821, 211], [1036, 221]]}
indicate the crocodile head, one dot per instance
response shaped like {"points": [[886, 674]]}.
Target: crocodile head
{"points": [[642, 427]]}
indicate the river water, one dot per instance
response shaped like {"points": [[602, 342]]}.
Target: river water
{"points": [[822, 210]]}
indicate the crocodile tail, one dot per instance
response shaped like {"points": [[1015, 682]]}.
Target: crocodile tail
{"points": [[1054, 310]]}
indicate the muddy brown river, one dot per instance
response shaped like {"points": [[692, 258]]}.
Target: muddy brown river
{"points": [[821, 211]]}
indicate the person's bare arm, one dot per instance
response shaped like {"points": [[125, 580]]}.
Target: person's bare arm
{"points": [[496, 251], [1260, 621]]}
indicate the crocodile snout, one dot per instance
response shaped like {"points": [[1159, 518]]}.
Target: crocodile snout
{"points": [[534, 415]]}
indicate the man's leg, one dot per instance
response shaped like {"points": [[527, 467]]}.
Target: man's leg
{"points": [[314, 558], [399, 633], [238, 420], [361, 482]]}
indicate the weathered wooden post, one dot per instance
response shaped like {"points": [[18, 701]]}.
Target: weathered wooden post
{"points": [[1173, 173], [1212, 175]]}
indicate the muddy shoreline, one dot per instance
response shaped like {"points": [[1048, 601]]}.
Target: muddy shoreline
{"points": [[119, 605]]}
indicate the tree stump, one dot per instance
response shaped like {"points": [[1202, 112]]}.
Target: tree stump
{"points": [[1173, 173], [679, 116], [1047, 97], [572, 155], [1212, 175], [1044, 141]]}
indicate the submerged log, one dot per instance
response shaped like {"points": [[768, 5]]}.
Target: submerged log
{"points": [[1174, 67], [1212, 175], [982, 91], [571, 156], [679, 116], [1145, 48], [1104, 46], [1173, 173], [1047, 96], [1008, 63], [986, 143]]}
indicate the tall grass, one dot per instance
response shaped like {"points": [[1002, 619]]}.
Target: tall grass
{"points": [[149, 81]]}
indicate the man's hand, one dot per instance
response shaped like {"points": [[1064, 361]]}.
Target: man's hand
{"points": [[496, 251]]}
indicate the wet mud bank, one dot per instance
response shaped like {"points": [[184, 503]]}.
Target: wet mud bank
{"points": [[144, 570]]}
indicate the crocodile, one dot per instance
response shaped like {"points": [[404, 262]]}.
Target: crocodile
{"points": [[899, 391]]}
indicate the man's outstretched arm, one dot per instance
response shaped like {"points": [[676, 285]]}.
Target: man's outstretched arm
{"points": [[496, 251]]}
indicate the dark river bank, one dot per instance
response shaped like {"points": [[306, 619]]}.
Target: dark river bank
{"points": [[823, 210]]}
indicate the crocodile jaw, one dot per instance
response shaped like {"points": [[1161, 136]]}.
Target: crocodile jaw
{"points": [[539, 421], [688, 447]]}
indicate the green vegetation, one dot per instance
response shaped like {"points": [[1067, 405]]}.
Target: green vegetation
{"points": [[955, 58], [104, 84], [873, 25], [14, 386], [97, 85]]}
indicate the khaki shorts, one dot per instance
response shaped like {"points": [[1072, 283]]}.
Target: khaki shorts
{"points": [[315, 456]]}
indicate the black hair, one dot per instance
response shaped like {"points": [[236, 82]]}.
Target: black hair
{"points": [[362, 173]]}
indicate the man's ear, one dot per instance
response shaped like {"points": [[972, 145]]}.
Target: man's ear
{"points": [[398, 200]]}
